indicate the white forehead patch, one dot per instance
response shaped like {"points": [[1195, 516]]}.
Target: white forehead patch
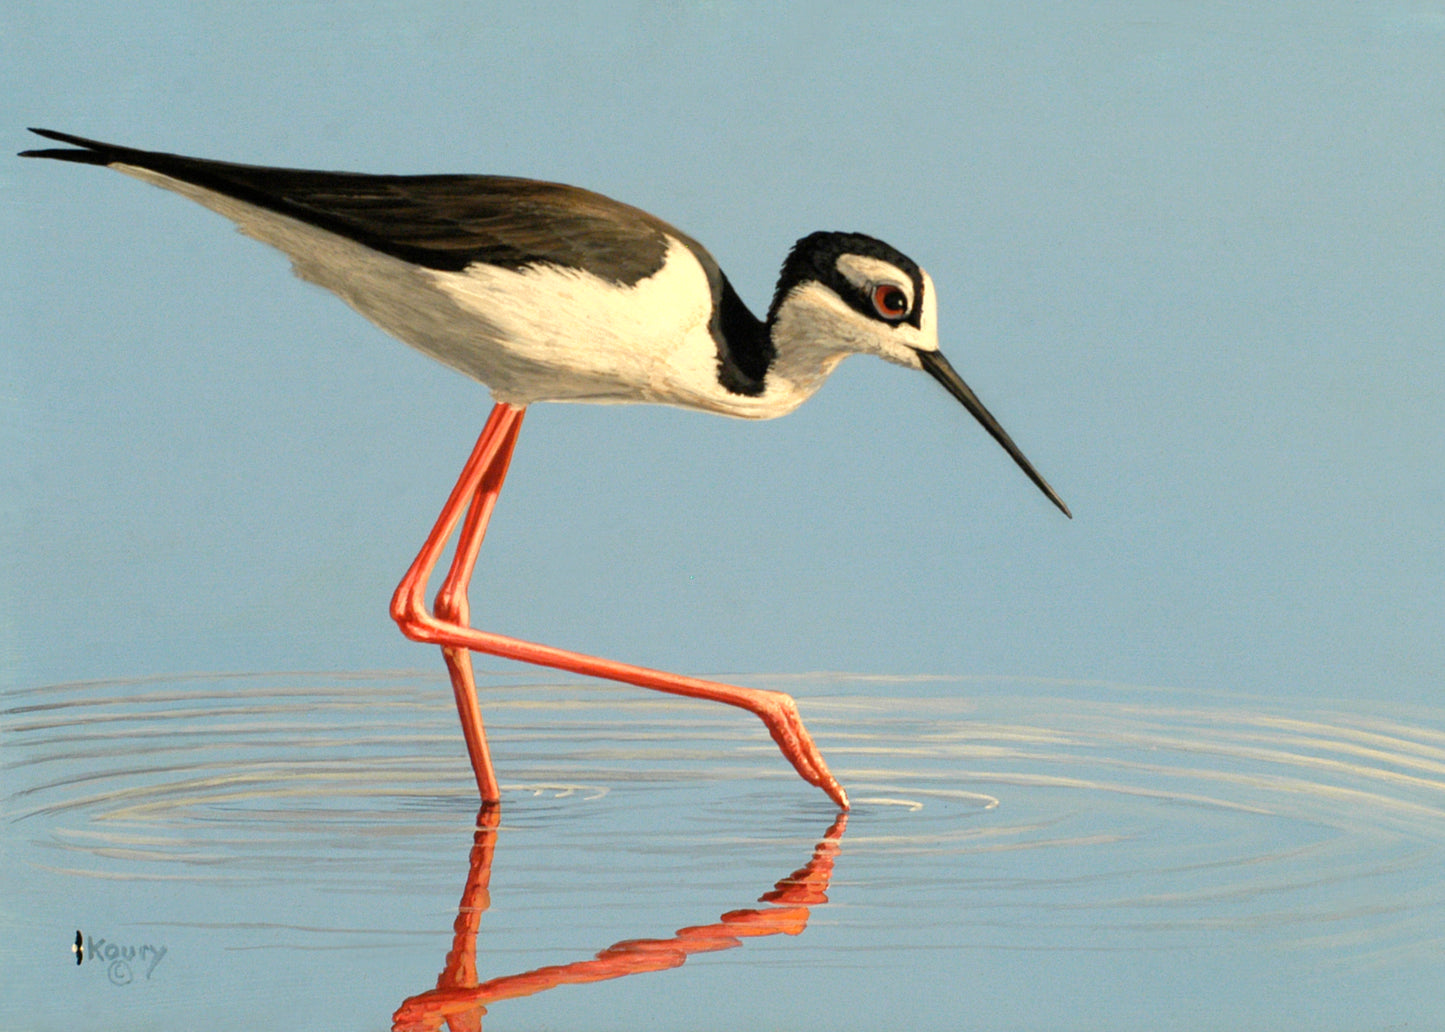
{"points": [[865, 272], [929, 320]]}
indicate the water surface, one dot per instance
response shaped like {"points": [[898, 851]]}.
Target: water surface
{"points": [[306, 850]]}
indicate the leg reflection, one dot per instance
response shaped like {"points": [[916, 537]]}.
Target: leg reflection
{"points": [[459, 1000]]}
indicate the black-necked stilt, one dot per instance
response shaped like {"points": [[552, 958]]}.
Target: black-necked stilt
{"points": [[546, 292]]}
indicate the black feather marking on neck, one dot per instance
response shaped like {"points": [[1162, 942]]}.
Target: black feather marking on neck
{"points": [[745, 349], [815, 259], [745, 344]]}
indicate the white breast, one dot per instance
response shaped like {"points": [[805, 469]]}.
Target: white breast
{"points": [[563, 334]]}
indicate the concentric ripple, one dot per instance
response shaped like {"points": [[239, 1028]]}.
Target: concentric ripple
{"points": [[993, 814]]}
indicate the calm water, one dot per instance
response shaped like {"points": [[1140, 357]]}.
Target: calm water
{"points": [[305, 851]]}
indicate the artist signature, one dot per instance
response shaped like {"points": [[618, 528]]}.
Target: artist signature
{"points": [[121, 962]]}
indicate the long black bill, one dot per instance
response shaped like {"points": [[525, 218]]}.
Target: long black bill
{"points": [[937, 366]]}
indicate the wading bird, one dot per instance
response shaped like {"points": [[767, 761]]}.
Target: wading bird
{"points": [[545, 292]]}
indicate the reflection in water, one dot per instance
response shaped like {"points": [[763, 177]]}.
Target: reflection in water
{"points": [[460, 1001]]}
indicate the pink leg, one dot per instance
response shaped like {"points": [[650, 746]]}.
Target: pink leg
{"points": [[476, 491], [479, 485]]}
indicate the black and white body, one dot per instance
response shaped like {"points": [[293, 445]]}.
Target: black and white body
{"points": [[545, 292]]}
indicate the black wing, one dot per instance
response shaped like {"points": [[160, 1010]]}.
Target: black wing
{"points": [[442, 222]]}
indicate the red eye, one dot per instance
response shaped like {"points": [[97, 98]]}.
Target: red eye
{"points": [[889, 301]]}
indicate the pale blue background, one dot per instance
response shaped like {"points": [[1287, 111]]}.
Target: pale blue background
{"points": [[1193, 256]]}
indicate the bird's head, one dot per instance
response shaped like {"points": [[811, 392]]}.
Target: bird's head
{"points": [[847, 293]]}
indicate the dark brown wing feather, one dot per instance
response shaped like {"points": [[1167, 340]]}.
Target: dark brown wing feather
{"points": [[440, 221]]}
